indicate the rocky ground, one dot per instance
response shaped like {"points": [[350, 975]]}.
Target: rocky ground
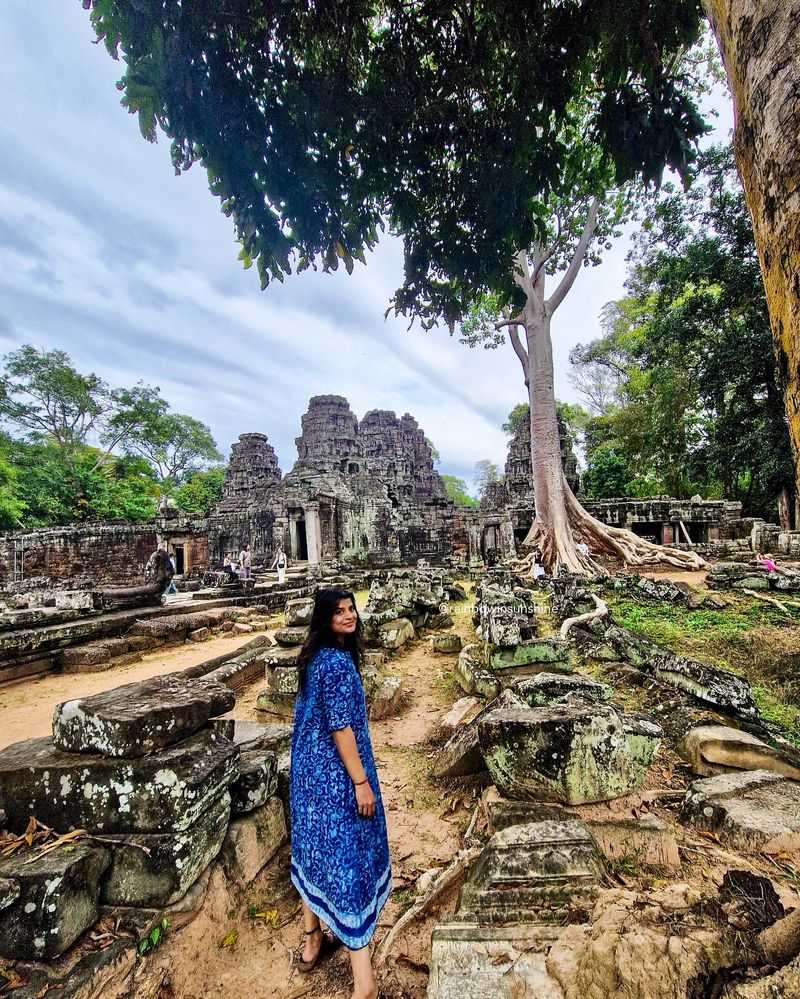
{"points": [[242, 945]]}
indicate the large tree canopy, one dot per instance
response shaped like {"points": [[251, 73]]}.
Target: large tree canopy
{"points": [[319, 122]]}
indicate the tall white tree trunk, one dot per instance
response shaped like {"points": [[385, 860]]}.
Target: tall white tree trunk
{"points": [[561, 521], [760, 46]]}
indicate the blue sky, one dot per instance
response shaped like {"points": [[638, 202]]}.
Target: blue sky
{"points": [[106, 254]]}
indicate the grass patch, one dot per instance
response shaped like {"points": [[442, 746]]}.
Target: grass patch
{"points": [[749, 638]]}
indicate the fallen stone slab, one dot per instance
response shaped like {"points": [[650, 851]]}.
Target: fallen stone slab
{"points": [[568, 753], [176, 627], [446, 643], [461, 755], [542, 652], [160, 793], [139, 718], [288, 637], [469, 961], [253, 840], [533, 872], [257, 780], [557, 688], [276, 736], [154, 869], [395, 633], [647, 840], [242, 629], [199, 635], [298, 612], [57, 900], [472, 675], [754, 811], [386, 697], [277, 656], [462, 712], [718, 749]]}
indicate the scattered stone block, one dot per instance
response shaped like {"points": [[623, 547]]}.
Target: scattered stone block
{"points": [[568, 753], [394, 634], [278, 656], [503, 812], [440, 621], [718, 749], [469, 961], [155, 869], [554, 688], [753, 811], [273, 703], [257, 780], [386, 698], [288, 637], [533, 872], [227, 626], [298, 612], [240, 628], [460, 755], [648, 840], [253, 840], [446, 643], [75, 599], [751, 583], [57, 901], [472, 675], [462, 712], [139, 718], [200, 635], [160, 793], [374, 657], [542, 652]]}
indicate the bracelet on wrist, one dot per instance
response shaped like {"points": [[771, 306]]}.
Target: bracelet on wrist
{"points": [[360, 782]]}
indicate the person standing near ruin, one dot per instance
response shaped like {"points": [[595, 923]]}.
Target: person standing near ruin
{"points": [[340, 851], [245, 562], [280, 562]]}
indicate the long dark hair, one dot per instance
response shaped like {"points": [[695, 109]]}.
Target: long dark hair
{"points": [[320, 635]]}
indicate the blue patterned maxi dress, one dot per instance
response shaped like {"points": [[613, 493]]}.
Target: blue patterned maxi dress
{"points": [[340, 861]]}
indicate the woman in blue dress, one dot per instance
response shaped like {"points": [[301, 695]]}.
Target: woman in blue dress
{"points": [[340, 851]]}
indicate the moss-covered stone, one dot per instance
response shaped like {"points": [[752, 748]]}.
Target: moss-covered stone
{"points": [[567, 753]]}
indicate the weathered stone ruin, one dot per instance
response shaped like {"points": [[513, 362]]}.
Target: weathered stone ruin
{"points": [[360, 490], [149, 789]]}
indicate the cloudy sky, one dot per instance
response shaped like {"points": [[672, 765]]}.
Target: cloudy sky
{"points": [[106, 254]]}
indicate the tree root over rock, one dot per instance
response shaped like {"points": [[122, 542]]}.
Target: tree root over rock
{"points": [[448, 877], [557, 537]]}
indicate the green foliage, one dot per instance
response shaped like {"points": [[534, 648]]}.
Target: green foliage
{"points": [[174, 444], [607, 476], [487, 476], [316, 122], [518, 415], [456, 490], [200, 490], [694, 404], [54, 492], [154, 937]]}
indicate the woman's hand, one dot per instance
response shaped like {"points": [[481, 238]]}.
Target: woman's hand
{"points": [[365, 800]]}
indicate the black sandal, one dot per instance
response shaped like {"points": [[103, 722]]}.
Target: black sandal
{"points": [[306, 966]]}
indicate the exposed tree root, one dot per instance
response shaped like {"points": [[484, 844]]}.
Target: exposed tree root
{"points": [[557, 542], [601, 610], [448, 877], [769, 600], [781, 941]]}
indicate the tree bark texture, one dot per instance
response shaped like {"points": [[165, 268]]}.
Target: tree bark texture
{"points": [[560, 520], [760, 45]]}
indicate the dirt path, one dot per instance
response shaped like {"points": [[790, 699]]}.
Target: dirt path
{"points": [[26, 707]]}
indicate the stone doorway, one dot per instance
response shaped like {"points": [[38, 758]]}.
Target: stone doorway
{"points": [[180, 560], [298, 538]]}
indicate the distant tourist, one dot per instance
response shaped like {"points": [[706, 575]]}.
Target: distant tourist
{"points": [[229, 567], [537, 569], [340, 851], [766, 562], [280, 562], [245, 562], [582, 548]]}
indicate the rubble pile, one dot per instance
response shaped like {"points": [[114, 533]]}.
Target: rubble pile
{"points": [[152, 786]]}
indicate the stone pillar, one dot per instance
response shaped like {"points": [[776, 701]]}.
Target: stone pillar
{"points": [[313, 533]]}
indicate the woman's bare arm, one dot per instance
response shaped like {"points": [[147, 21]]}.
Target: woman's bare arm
{"points": [[346, 746], [345, 743]]}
